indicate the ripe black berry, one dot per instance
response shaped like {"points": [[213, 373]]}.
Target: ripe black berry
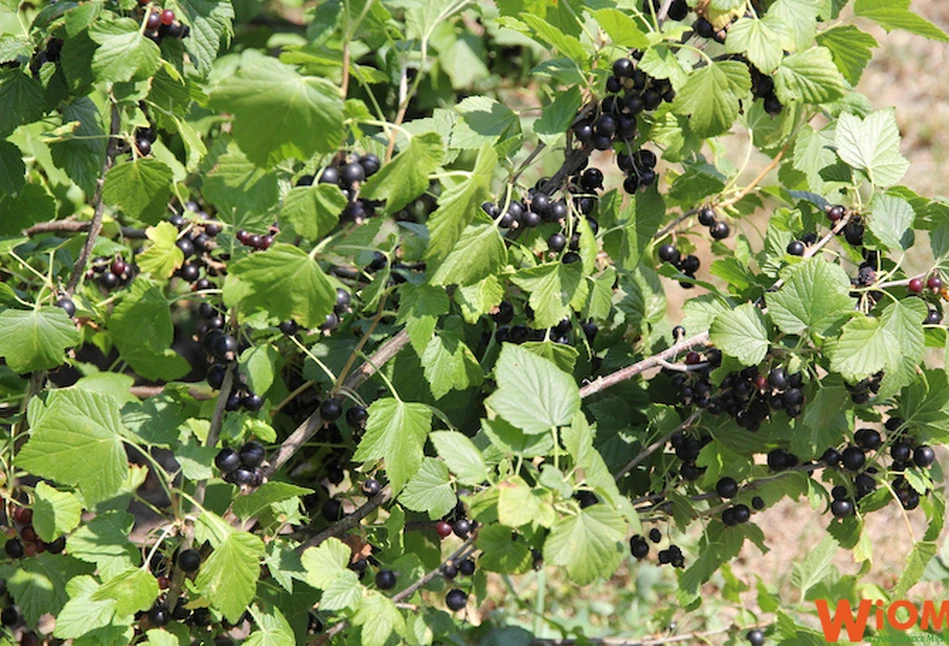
{"points": [[901, 452], [758, 503], [592, 179], [67, 306], [853, 458], [252, 454], [668, 253], [726, 487], [371, 487], [370, 164], [780, 460], [742, 513], [351, 173], [707, 216], [252, 402], [623, 68], [655, 535], [796, 248], [356, 416], [227, 460], [793, 397], [466, 567], [449, 571], [385, 579], [330, 410], [13, 548], [841, 508], [57, 546], [332, 510], [868, 438], [108, 280], [778, 377], [571, 257], [934, 317], [719, 231], [556, 242], [755, 637], [159, 616], [924, 456], [224, 347], [462, 528], [638, 547], [189, 560], [456, 599]]}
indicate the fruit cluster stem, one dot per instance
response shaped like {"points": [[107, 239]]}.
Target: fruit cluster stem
{"points": [[98, 205]]}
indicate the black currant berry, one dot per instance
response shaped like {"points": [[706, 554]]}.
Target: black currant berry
{"points": [[924, 456], [252, 454], [853, 458], [462, 528], [224, 347], [466, 567], [796, 248], [356, 416], [385, 579], [351, 174], [456, 599], [690, 264], [67, 306], [707, 216], [719, 231], [9, 616], [371, 487], [332, 510], [370, 164], [831, 457], [227, 460], [252, 402], [868, 438], [841, 508], [189, 560], [755, 637], [623, 68], [159, 616], [726, 487], [901, 452], [638, 547], [13, 548], [758, 503], [668, 253], [331, 410]]}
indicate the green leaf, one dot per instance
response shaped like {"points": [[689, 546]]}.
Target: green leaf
{"points": [[500, 552], [81, 614], [815, 299], [482, 121], [812, 153], [560, 354], [901, 318], [809, 76], [479, 299], [552, 287], [283, 281], [104, 542], [406, 176], [36, 340], [124, 53], [533, 394], [916, 563], [588, 545], [54, 512], [396, 432], [260, 363], [557, 117], [76, 442], [273, 629], [924, 404], [458, 208], [661, 62], [519, 504], [325, 562], [12, 168], [815, 566], [430, 490], [872, 145], [38, 584], [31, 205], [265, 495], [850, 49], [461, 455], [81, 155], [132, 590], [556, 38], [757, 40], [142, 330], [379, 618], [448, 363], [710, 97], [243, 193], [896, 14], [279, 114], [210, 22], [622, 30], [420, 306], [140, 188], [863, 348], [741, 333], [228, 578], [480, 252], [162, 257], [891, 221], [827, 417], [313, 210], [799, 22], [22, 100]]}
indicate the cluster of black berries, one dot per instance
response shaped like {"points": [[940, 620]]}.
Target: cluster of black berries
{"points": [[50, 54], [716, 228], [861, 391], [241, 396], [704, 29], [539, 208], [144, 138], [934, 283], [762, 87], [451, 569], [348, 175], [242, 467], [160, 24], [196, 244], [672, 555], [27, 542], [455, 522], [688, 265], [687, 449], [110, 273], [255, 241], [854, 229]]}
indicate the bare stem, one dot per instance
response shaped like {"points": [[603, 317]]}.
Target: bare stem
{"points": [[350, 521]]}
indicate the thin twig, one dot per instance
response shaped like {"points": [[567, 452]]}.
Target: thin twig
{"points": [[97, 203], [350, 521], [754, 183], [658, 444], [312, 424], [75, 226]]}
